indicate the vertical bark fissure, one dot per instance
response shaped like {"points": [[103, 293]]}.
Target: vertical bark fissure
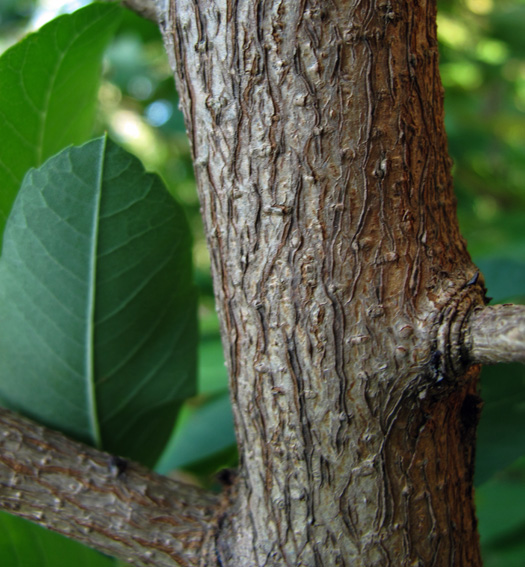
{"points": [[320, 155]]}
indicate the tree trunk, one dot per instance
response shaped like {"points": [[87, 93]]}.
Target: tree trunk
{"points": [[353, 319], [341, 278]]}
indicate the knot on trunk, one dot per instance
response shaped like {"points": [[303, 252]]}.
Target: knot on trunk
{"points": [[450, 356]]}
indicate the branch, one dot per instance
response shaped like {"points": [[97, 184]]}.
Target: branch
{"points": [[496, 334], [115, 506], [144, 8]]}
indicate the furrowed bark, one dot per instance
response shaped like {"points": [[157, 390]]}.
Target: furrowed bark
{"points": [[342, 282], [351, 312], [117, 507]]}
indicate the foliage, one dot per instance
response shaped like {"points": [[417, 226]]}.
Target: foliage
{"points": [[482, 64], [97, 303], [24, 544], [48, 96]]}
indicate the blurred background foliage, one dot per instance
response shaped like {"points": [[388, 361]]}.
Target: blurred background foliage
{"points": [[482, 46]]}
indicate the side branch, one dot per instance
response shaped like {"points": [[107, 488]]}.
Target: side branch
{"points": [[114, 506], [144, 8], [496, 334]]}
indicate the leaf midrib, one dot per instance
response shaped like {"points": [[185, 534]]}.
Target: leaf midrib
{"points": [[91, 303]]}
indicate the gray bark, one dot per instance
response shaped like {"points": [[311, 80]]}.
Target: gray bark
{"points": [[497, 334], [341, 278], [115, 506], [352, 316]]}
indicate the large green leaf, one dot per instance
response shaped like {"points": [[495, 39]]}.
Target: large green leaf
{"points": [[23, 544], [98, 327], [48, 88]]}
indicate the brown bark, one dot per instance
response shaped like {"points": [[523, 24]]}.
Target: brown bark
{"points": [[350, 309], [115, 506], [341, 278]]}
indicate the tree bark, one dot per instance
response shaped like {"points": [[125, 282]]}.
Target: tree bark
{"points": [[353, 319], [497, 334], [113, 505], [342, 281]]}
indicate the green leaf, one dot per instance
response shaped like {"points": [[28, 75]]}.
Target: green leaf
{"points": [[98, 309], [206, 433], [501, 432], [23, 544], [48, 90]]}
